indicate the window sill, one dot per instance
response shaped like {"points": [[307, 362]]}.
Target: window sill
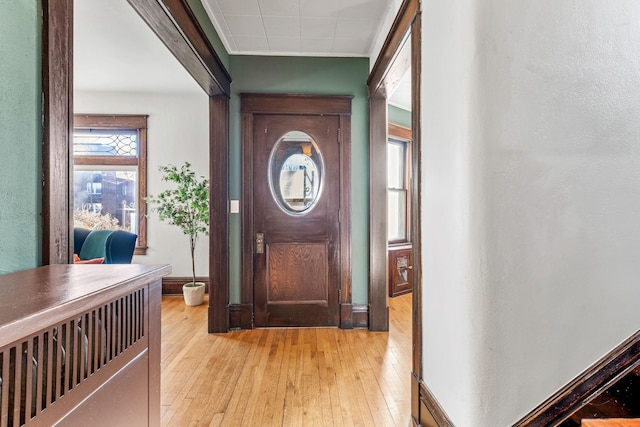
{"points": [[399, 245]]}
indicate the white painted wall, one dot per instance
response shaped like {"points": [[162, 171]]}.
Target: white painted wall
{"points": [[531, 197], [178, 131], [451, 310]]}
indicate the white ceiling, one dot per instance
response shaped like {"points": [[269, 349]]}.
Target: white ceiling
{"points": [[401, 97], [115, 51], [298, 27]]}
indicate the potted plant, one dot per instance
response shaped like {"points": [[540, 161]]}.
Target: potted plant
{"points": [[186, 206]]}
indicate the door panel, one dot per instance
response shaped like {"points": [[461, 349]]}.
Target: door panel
{"points": [[296, 281], [290, 264]]}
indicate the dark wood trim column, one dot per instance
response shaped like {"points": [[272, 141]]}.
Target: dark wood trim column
{"points": [[57, 113], [346, 306], [219, 214], [416, 231], [378, 273], [246, 210]]}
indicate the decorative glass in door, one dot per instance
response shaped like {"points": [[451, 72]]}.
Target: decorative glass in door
{"points": [[295, 173]]}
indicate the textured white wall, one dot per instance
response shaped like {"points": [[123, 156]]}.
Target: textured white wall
{"points": [[178, 130], [452, 313], [531, 197]]}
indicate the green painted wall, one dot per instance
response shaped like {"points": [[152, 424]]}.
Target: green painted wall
{"points": [[210, 31], [399, 116], [330, 76], [20, 134]]}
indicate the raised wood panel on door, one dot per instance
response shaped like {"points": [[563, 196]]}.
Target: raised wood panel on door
{"points": [[297, 278], [289, 265], [290, 293]]}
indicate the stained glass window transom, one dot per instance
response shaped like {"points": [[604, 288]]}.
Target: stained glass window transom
{"points": [[105, 143]]}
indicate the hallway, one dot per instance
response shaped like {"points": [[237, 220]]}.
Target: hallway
{"points": [[284, 377]]}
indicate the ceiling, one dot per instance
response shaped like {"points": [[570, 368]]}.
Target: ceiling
{"points": [[401, 96], [115, 51], [298, 27]]}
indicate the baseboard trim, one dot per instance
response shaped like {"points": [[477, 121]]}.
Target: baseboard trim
{"points": [[432, 406], [415, 400], [346, 316], [173, 285], [425, 408], [354, 316], [240, 316], [592, 381], [360, 316]]}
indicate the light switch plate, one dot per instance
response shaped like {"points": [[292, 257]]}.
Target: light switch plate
{"points": [[234, 206]]}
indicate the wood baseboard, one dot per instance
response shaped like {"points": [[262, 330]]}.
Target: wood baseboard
{"points": [[360, 316], [173, 285], [346, 316], [351, 315], [354, 316], [425, 408], [240, 316], [605, 372]]}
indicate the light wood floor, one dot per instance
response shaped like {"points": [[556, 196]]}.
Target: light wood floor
{"points": [[284, 377]]}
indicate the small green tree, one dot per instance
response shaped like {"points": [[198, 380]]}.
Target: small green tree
{"points": [[186, 206]]}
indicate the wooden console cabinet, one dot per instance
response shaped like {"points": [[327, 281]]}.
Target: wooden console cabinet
{"points": [[80, 345], [400, 265]]}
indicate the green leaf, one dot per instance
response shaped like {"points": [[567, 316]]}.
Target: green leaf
{"points": [[186, 205]]}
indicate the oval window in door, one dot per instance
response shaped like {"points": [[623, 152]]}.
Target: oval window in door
{"points": [[295, 173]]}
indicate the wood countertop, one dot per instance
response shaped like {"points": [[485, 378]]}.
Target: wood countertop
{"points": [[54, 293]]}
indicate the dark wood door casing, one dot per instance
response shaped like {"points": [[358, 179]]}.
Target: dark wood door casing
{"points": [[296, 278], [255, 105], [382, 78], [57, 128]]}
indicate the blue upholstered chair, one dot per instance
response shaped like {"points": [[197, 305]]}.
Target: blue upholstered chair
{"points": [[115, 246]]}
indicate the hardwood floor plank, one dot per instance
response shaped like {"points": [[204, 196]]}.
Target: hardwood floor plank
{"points": [[253, 413], [241, 388], [280, 385], [350, 381], [328, 385], [346, 398], [374, 396], [292, 414], [284, 376]]}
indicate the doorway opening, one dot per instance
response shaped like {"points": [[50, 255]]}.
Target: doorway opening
{"points": [[178, 28], [129, 119], [386, 73]]}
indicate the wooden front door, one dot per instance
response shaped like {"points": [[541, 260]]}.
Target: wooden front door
{"points": [[296, 203]]}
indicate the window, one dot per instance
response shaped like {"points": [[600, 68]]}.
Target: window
{"points": [[109, 174], [398, 200]]}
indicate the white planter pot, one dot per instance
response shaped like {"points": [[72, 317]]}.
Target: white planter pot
{"points": [[193, 295]]}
